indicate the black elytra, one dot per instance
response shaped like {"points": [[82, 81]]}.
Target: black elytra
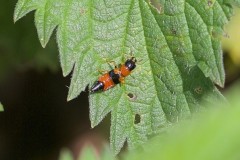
{"points": [[115, 77]]}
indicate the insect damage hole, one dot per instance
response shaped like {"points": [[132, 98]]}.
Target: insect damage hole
{"points": [[131, 96], [137, 119], [156, 5], [210, 3], [198, 90]]}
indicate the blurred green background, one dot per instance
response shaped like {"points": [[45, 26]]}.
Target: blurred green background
{"points": [[38, 121]]}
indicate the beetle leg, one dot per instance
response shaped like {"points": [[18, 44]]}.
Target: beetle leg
{"points": [[122, 80], [102, 71]]}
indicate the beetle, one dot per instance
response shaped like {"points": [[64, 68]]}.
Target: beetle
{"points": [[114, 76]]}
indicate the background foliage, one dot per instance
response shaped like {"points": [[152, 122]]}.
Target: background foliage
{"points": [[19, 46]]}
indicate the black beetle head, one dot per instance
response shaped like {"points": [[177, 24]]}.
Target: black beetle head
{"points": [[130, 63]]}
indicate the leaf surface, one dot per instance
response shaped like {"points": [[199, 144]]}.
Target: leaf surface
{"points": [[176, 43]]}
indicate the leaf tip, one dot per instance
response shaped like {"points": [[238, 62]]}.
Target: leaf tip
{"points": [[92, 125], [44, 33], [71, 94], [16, 16], [221, 83], [69, 98], [15, 19], [19, 11], [43, 42]]}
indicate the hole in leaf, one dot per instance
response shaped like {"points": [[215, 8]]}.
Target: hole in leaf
{"points": [[210, 3], [156, 5], [137, 119], [131, 96], [174, 31], [198, 90], [83, 11]]}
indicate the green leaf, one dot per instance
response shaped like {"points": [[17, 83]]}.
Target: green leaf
{"points": [[107, 154], [213, 135], [88, 153], [65, 154], [1, 107], [177, 45]]}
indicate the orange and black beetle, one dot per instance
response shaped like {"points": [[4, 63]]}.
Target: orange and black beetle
{"points": [[115, 76]]}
